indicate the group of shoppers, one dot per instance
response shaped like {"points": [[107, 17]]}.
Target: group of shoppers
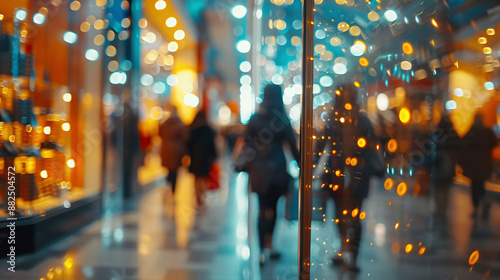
{"points": [[197, 141], [347, 155], [473, 153]]}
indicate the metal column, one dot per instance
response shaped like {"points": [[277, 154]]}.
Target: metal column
{"points": [[306, 123]]}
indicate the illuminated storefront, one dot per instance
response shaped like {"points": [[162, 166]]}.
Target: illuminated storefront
{"points": [[53, 78], [80, 80]]}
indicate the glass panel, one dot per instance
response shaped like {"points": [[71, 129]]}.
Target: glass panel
{"points": [[279, 58], [275, 58], [405, 132]]}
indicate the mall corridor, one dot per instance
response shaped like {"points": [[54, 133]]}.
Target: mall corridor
{"points": [[249, 139]]}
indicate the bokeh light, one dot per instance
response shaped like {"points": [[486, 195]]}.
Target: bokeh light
{"points": [[70, 37], [239, 11]]}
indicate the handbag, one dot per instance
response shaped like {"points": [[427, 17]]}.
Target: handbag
{"points": [[243, 155]]}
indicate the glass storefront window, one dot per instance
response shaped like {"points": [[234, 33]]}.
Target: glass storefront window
{"points": [[48, 105], [404, 104]]}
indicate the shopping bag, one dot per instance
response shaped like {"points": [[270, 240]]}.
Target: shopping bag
{"points": [[292, 201], [214, 177]]}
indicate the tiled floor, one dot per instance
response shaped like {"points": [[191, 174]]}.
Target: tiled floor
{"points": [[157, 241]]}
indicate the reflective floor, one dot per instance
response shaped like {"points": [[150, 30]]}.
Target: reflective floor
{"points": [[402, 240], [150, 242], [156, 240]]}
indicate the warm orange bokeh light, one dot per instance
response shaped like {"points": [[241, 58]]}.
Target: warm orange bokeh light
{"points": [[404, 115], [408, 248], [434, 22], [348, 106], [402, 188], [389, 183], [355, 212], [363, 62], [421, 251], [68, 263], [361, 142], [392, 145], [362, 215], [407, 48], [474, 257]]}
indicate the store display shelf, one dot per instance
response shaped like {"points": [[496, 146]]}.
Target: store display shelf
{"points": [[35, 232]]}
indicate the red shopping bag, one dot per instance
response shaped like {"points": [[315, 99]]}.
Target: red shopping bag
{"points": [[213, 177]]}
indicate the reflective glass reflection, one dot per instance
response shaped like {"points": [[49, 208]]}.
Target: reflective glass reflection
{"points": [[279, 58], [405, 134]]}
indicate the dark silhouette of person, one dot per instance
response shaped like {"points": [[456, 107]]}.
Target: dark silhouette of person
{"points": [[447, 146], [202, 152], [477, 161], [349, 144], [265, 134], [174, 134]]}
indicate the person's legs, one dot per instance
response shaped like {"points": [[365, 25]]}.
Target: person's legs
{"points": [[200, 187], [477, 193], [341, 222], [440, 219], [355, 230], [442, 197], [262, 225], [267, 219], [172, 178]]}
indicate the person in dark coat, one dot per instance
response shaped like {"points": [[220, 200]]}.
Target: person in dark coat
{"points": [[265, 134], [477, 162], [447, 144], [202, 152], [349, 147], [174, 134]]}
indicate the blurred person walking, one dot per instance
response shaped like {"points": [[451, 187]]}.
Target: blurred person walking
{"points": [[348, 143], [203, 153], [174, 134], [447, 145], [477, 161], [264, 159]]}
